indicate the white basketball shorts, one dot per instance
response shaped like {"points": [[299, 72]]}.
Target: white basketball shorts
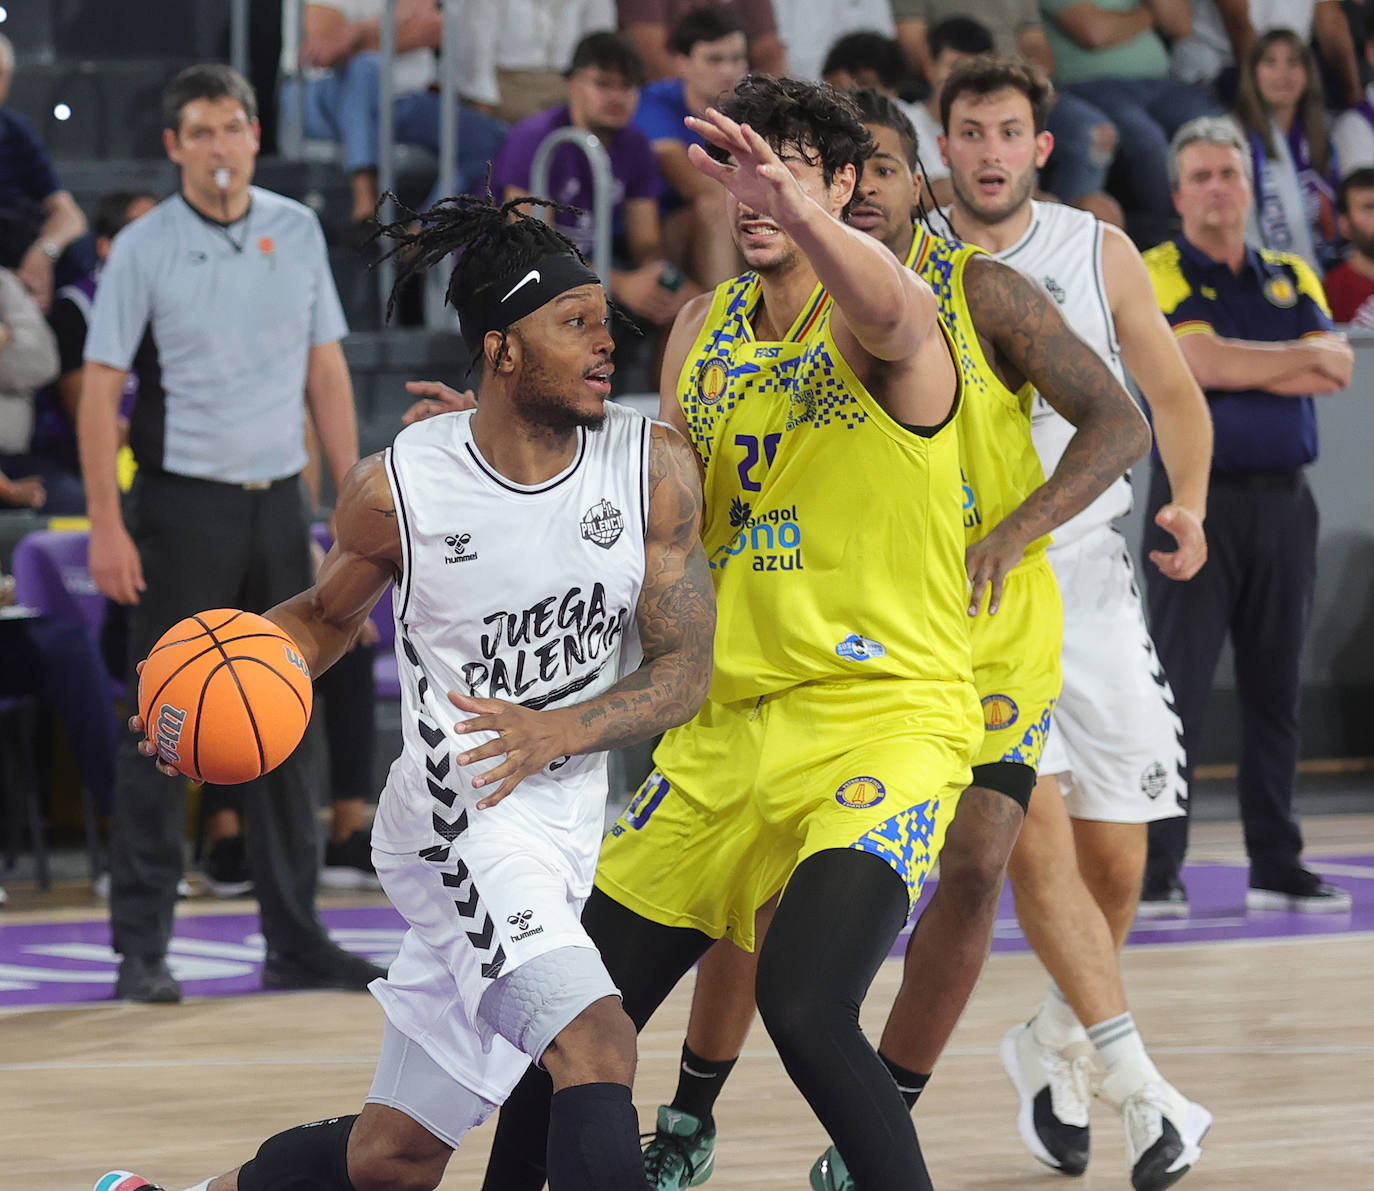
{"points": [[475, 920], [1115, 742]]}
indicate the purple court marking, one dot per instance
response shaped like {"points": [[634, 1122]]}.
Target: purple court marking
{"points": [[217, 955], [1216, 893]]}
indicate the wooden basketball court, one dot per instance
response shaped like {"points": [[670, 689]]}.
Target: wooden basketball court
{"points": [[1274, 1035]]}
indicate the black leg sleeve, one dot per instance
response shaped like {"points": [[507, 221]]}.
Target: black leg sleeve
{"points": [[646, 960], [836, 923]]}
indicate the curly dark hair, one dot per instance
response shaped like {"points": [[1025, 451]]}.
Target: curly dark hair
{"points": [[986, 75], [820, 123]]}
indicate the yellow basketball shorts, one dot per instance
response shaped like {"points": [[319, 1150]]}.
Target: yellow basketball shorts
{"points": [[745, 792], [1016, 665]]}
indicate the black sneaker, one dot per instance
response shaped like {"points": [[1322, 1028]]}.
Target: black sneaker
{"points": [[226, 867], [1163, 899], [1297, 890], [147, 981], [348, 865], [329, 967]]}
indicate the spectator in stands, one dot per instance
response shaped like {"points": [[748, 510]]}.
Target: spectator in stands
{"points": [[1015, 25], [1350, 285], [29, 189], [28, 361], [866, 61], [53, 453], [810, 27], [603, 92], [1111, 53], [342, 68], [1353, 131], [1224, 30], [531, 45], [649, 24], [1279, 107], [221, 298], [950, 42], [710, 55], [1254, 327]]}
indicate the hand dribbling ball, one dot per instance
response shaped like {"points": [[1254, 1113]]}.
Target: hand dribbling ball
{"points": [[225, 696]]}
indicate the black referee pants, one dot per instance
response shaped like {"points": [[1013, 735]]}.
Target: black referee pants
{"points": [[1257, 586], [205, 545]]}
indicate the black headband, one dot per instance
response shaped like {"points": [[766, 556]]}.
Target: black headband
{"points": [[495, 307]]}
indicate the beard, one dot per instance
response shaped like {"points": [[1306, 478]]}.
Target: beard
{"points": [[1018, 191], [1363, 242], [541, 400]]}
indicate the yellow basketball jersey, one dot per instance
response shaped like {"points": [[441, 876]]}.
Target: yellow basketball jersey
{"points": [[999, 462], [834, 534]]}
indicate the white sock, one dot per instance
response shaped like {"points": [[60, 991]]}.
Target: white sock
{"points": [[1121, 1047], [1056, 1024]]}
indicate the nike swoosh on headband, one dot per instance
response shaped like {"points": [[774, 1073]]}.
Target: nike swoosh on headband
{"points": [[532, 275]]}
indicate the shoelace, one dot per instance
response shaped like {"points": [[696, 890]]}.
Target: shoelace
{"points": [[1143, 1113], [1070, 1079], [662, 1148]]}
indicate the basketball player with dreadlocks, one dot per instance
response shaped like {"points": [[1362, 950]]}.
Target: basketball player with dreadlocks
{"points": [[550, 585]]}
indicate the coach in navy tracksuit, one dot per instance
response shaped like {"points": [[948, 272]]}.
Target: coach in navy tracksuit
{"points": [[1256, 331]]}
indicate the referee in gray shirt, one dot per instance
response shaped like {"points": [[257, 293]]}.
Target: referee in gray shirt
{"points": [[221, 299]]}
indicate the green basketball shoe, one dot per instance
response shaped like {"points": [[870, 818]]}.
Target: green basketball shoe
{"points": [[830, 1173], [682, 1153]]}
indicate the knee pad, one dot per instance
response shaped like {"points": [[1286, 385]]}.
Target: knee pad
{"points": [[310, 1157], [531, 1006]]}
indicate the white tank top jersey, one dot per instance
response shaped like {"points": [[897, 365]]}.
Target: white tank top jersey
{"points": [[1062, 249], [526, 594]]}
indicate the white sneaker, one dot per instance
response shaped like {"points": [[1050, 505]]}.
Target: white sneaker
{"points": [[1164, 1129], [1055, 1087]]}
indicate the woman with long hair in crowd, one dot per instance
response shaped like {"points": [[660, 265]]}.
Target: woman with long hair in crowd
{"points": [[1279, 106]]}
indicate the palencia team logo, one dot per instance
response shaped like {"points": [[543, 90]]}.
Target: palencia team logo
{"points": [[603, 524]]}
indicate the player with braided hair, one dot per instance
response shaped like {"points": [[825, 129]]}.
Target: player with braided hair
{"points": [[488, 829]]}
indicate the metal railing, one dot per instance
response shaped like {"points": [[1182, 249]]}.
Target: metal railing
{"points": [[603, 188], [291, 127]]}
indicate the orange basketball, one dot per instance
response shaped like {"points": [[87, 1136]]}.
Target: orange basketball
{"points": [[225, 696]]}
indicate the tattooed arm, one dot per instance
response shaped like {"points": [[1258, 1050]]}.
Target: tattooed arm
{"points": [[676, 618], [1031, 336], [365, 558]]}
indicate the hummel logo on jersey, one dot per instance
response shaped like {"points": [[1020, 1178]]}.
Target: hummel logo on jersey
{"points": [[532, 275], [521, 922], [458, 543], [603, 524]]}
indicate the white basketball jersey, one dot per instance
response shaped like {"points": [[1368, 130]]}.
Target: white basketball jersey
{"points": [[526, 594], [1062, 249]]}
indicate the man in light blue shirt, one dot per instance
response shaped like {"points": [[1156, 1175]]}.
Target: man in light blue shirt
{"points": [[222, 301]]}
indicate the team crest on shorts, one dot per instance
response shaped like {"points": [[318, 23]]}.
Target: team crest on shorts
{"points": [[999, 711], [711, 379], [1153, 780], [859, 793]]}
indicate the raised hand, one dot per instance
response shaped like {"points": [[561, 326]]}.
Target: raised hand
{"points": [[757, 177]]}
